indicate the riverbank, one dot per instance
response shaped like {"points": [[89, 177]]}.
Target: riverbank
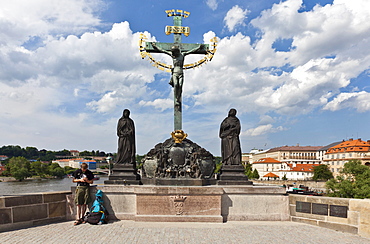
{"points": [[12, 179], [6, 179]]}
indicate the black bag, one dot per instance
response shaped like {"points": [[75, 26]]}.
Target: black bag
{"points": [[94, 218]]}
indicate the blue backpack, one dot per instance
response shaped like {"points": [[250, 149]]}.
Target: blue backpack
{"points": [[98, 214]]}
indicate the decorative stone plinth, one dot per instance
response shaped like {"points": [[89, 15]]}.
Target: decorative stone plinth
{"points": [[178, 204], [124, 175], [233, 175], [195, 203]]}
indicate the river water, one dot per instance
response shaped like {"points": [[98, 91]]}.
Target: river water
{"points": [[40, 185]]}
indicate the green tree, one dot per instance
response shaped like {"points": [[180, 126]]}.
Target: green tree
{"points": [[248, 171], [32, 152], [249, 174], [19, 168], [284, 177], [13, 151], [139, 158], [85, 153], [353, 181], [322, 172], [63, 152], [68, 170], [38, 168], [56, 170], [47, 155], [255, 174]]}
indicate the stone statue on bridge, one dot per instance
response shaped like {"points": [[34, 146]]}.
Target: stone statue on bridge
{"points": [[126, 140], [230, 143]]}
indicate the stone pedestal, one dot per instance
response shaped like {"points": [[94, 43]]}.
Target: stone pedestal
{"points": [[178, 204], [195, 203], [233, 175], [124, 175]]}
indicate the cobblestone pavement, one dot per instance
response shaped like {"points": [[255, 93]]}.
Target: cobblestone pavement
{"points": [[152, 232]]}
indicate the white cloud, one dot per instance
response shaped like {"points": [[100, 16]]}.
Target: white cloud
{"points": [[23, 19], [235, 17], [212, 4], [161, 104], [360, 101], [266, 119], [262, 130], [255, 78]]}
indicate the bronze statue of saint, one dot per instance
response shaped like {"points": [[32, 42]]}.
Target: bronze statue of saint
{"points": [[126, 140], [230, 143], [177, 77]]}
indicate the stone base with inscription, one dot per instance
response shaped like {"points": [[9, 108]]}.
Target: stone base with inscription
{"points": [[178, 204], [195, 203]]}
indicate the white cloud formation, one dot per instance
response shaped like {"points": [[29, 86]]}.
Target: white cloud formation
{"points": [[255, 78], [262, 130], [65, 83], [360, 101], [161, 104], [234, 17], [212, 4], [23, 19]]}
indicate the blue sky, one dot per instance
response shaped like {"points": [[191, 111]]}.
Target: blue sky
{"points": [[296, 71]]}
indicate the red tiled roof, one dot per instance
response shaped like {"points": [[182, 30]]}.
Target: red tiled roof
{"points": [[267, 160], [304, 167], [350, 146], [271, 175]]}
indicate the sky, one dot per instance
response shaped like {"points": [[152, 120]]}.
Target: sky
{"points": [[297, 72]]}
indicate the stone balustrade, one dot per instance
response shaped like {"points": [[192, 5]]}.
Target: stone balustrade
{"points": [[342, 214], [22, 211]]}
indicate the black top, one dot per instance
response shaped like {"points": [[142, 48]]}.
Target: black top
{"points": [[79, 174]]}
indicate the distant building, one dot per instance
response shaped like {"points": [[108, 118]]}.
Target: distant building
{"points": [[3, 157], [90, 163], [320, 154], [248, 157], [271, 168], [267, 165], [76, 163], [298, 171], [340, 154], [74, 153], [291, 154]]}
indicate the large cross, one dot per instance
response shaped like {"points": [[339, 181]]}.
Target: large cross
{"points": [[177, 50]]}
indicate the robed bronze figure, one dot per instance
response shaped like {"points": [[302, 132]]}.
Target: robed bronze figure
{"points": [[126, 139], [230, 143]]}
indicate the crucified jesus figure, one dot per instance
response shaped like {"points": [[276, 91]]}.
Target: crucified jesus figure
{"points": [[177, 77]]}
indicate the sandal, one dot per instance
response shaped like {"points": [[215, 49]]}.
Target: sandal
{"points": [[77, 222]]}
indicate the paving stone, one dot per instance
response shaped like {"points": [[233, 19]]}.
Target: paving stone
{"points": [[190, 233]]}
